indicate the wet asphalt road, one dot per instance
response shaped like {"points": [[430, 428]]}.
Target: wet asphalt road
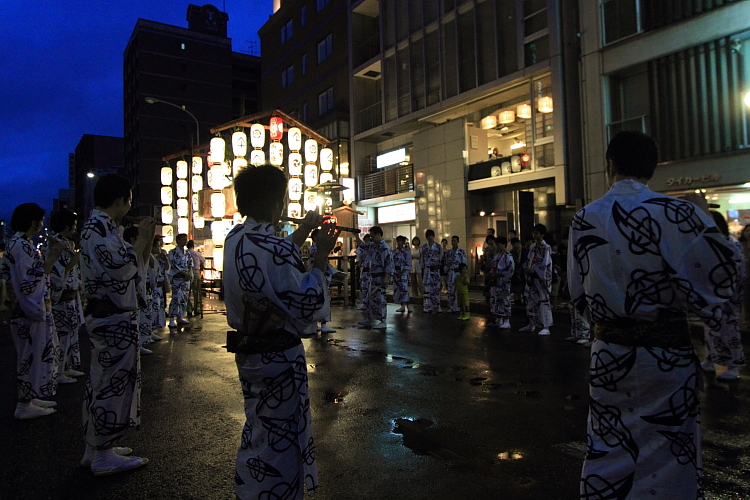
{"points": [[434, 408]]}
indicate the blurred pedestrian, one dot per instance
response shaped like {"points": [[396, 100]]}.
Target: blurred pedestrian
{"points": [[501, 272], [312, 251], [401, 270], [381, 270], [364, 254], [161, 264], [461, 285], [195, 299], [430, 258], [180, 273], [538, 269], [416, 269], [453, 259]]}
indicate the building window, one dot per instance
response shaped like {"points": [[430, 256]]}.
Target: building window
{"points": [[286, 31], [620, 19], [304, 64], [303, 15], [304, 112], [536, 31], [182, 46], [325, 101], [321, 3], [287, 77], [325, 48]]}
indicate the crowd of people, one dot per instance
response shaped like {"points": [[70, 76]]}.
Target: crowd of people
{"points": [[634, 272]]}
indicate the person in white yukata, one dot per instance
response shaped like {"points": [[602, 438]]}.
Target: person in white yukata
{"points": [[112, 398], [161, 261], [538, 269], [276, 457], [381, 270], [329, 272], [180, 274], [147, 273], [501, 272], [195, 300], [364, 254], [430, 257], [453, 259], [31, 323], [639, 261], [401, 271]]}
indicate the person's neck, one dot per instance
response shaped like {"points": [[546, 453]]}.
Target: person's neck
{"points": [[111, 212], [620, 177]]}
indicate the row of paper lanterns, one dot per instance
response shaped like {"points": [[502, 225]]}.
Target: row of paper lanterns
{"points": [[544, 105]]}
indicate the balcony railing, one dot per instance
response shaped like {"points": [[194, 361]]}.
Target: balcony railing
{"points": [[366, 50], [391, 180], [370, 117]]}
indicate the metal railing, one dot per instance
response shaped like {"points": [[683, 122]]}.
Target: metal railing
{"points": [[370, 117], [366, 50], [388, 181]]}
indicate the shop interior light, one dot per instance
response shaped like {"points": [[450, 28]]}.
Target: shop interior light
{"points": [[747, 99], [482, 213], [523, 111], [90, 175], [489, 122], [544, 105], [216, 155], [518, 145], [182, 169], [166, 176], [744, 198], [507, 116], [746, 185], [344, 169]]}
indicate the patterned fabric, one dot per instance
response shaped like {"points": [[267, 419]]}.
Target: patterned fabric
{"points": [[329, 272], [401, 269], [430, 257], [146, 313], [113, 389], [276, 456], [159, 303], [179, 260], [453, 259], [579, 323], [31, 325], [538, 307], [502, 271], [364, 255], [195, 302], [633, 255], [381, 264]]}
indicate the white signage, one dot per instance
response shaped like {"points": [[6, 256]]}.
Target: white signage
{"points": [[391, 158], [397, 213]]}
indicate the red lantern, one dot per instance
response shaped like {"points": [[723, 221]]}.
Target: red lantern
{"points": [[525, 159], [276, 127]]}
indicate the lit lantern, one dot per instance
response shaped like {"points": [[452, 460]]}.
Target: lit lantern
{"points": [[218, 206], [311, 151], [489, 122], [166, 195], [295, 164], [276, 153], [311, 201], [217, 150], [182, 225], [257, 157], [311, 175], [257, 135], [326, 159], [182, 169], [166, 176], [523, 111], [326, 177], [507, 117], [182, 188], [219, 231], [295, 189], [239, 143], [168, 233], [197, 183], [219, 258], [295, 210], [182, 208], [218, 176], [196, 202], [344, 169], [197, 165], [294, 139], [544, 105], [237, 165], [166, 214], [276, 128], [198, 221]]}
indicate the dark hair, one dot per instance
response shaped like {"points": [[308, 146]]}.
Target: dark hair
{"points": [[400, 238], [24, 215], [61, 219], [429, 233], [418, 240], [490, 238], [110, 188], [512, 231], [191, 244], [528, 237], [454, 236], [367, 237], [541, 229], [376, 230], [130, 233], [742, 233], [633, 153], [513, 241], [443, 241], [720, 222], [502, 240], [157, 239], [181, 235], [259, 191], [491, 230], [461, 267]]}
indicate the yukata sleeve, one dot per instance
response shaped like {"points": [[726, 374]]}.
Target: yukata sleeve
{"points": [[303, 295], [57, 278], [27, 276], [119, 266], [575, 278], [542, 269], [407, 261], [389, 267], [505, 270], [462, 257]]}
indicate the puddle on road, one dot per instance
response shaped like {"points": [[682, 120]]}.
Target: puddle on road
{"points": [[334, 397], [529, 394]]}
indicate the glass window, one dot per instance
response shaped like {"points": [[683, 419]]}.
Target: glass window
{"points": [[432, 65], [321, 3], [544, 108], [620, 18], [450, 63], [304, 64], [304, 112], [325, 101], [417, 74], [536, 51], [507, 44], [467, 54], [389, 87], [286, 31], [303, 15], [415, 15], [486, 46], [403, 81], [325, 48], [287, 77]]}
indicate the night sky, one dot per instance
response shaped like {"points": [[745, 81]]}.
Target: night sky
{"points": [[61, 77]]}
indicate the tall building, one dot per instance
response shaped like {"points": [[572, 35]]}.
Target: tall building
{"points": [[191, 68], [679, 71], [305, 69], [95, 155], [465, 115]]}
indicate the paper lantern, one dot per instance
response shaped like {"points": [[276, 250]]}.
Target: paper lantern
{"points": [[182, 169], [523, 111], [239, 143], [311, 175], [507, 117], [219, 258], [182, 188], [257, 135], [326, 177], [237, 165], [166, 176], [326, 159], [295, 209], [166, 195], [544, 105], [218, 205], [196, 202], [219, 231], [182, 208], [276, 154], [257, 157], [216, 155], [197, 183], [295, 189], [197, 165], [182, 225], [218, 176], [294, 139], [168, 233], [295, 164], [276, 128], [311, 201], [198, 221], [311, 151], [166, 214], [489, 122]]}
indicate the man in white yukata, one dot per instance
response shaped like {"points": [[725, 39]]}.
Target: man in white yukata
{"points": [[401, 271], [271, 301], [112, 399], [195, 301], [147, 273], [329, 272], [31, 323], [538, 269], [501, 272], [453, 259], [161, 263], [381, 270], [430, 257], [364, 254], [639, 261], [180, 274]]}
